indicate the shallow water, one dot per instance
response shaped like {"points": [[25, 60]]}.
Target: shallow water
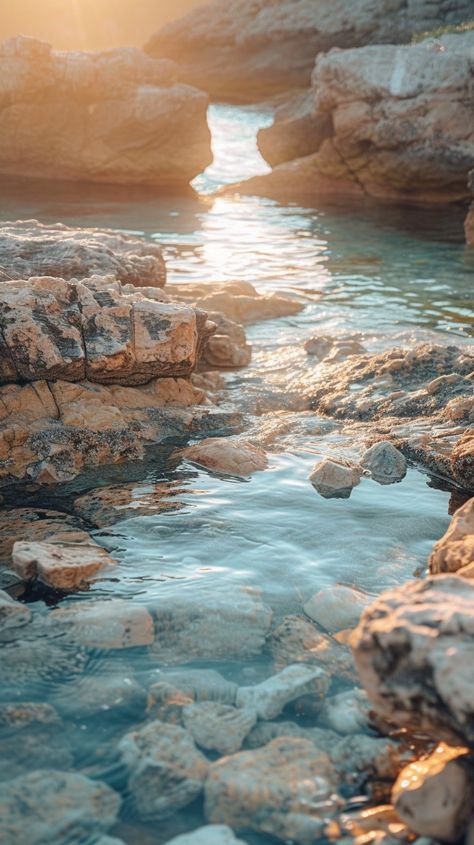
{"points": [[386, 273]]}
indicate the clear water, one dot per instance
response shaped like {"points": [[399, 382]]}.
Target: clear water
{"points": [[392, 274]]}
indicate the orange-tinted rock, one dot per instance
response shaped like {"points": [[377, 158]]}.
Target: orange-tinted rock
{"points": [[222, 454]]}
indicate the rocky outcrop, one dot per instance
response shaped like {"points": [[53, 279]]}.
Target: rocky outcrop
{"points": [[98, 117], [256, 48], [402, 125], [411, 649], [297, 131], [29, 248]]}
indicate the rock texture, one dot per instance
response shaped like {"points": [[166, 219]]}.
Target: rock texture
{"points": [[29, 248], [411, 648], [98, 117], [386, 464], [268, 698], [455, 551], [221, 454], [469, 222], [337, 607], [335, 479], [256, 48], [61, 566], [297, 131], [402, 126], [218, 727]]}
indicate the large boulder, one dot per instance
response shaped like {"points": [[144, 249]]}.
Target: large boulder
{"points": [[402, 125], [98, 117], [413, 649], [297, 130], [251, 49]]}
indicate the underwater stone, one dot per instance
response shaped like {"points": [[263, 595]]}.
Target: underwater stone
{"points": [[270, 697], [113, 694], [386, 463], [297, 640], [347, 712], [12, 613], [198, 684], [32, 736], [218, 727], [107, 624], [337, 607]]}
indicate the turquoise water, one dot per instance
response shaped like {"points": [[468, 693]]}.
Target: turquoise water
{"points": [[393, 274]]}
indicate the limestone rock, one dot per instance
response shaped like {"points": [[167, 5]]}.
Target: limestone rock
{"points": [[347, 712], [435, 795], [333, 349], [227, 347], [337, 607], [455, 551], [218, 727], [269, 698], [37, 525], [334, 479], [221, 454], [82, 107], [411, 649], [165, 770], [29, 248], [295, 132], [386, 463], [55, 807], [12, 613], [61, 566], [108, 624], [285, 789], [239, 302], [297, 640], [212, 834], [215, 628], [262, 47]]}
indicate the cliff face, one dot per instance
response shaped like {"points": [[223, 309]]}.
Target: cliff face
{"points": [[99, 117], [252, 49]]}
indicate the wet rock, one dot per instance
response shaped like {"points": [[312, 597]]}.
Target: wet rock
{"points": [[165, 770], [376, 824], [82, 106], [55, 807], [295, 132], [114, 694], [227, 348], [347, 712], [214, 628], [213, 834], [218, 727], [462, 458], [360, 758], [233, 457], [30, 665], [297, 640], [198, 684], [469, 222], [435, 795], [30, 248], [269, 698], [285, 789], [32, 737], [455, 551], [107, 505], [411, 649], [265, 732], [239, 302], [337, 607], [333, 349], [264, 48], [386, 463], [37, 525], [61, 566], [334, 479], [107, 624], [12, 613]]}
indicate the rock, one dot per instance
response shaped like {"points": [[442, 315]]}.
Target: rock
{"points": [[265, 732], [347, 712], [32, 737], [376, 824], [198, 684], [337, 607], [360, 758], [386, 463], [218, 727], [422, 89], [233, 457], [63, 567], [29, 248], [30, 666], [95, 329], [333, 349], [106, 505], [83, 106], [239, 302], [270, 697], [215, 628], [297, 640], [462, 459], [12, 613], [107, 624], [227, 347], [435, 795], [165, 770], [411, 649], [37, 525], [334, 479], [285, 789], [261, 48], [115, 696], [55, 807], [455, 551], [295, 132], [213, 834]]}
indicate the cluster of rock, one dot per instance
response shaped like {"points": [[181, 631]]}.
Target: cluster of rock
{"points": [[115, 117]]}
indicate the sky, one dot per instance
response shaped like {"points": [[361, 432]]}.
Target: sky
{"points": [[89, 24]]}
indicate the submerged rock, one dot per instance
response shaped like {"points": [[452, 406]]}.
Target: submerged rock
{"points": [[32, 736], [212, 834], [218, 727], [83, 107], [106, 505], [108, 624], [338, 607], [387, 465], [347, 712], [411, 650], [435, 795], [237, 301], [165, 769], [29, 248], [12, 613], [113, 695], [221, 454], [334, 479], [198, 684], [61, 566], [297, 640], [455, 551], [269, 698], [37, 525], [55, 807], [285, 789]]}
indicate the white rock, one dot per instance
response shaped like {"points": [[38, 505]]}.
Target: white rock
{"points": [[63, 567], [338, 607], [347, 712], [218, 727], [212, 834], [386, 463], [270, 697], [108, 624], [333, 479]]}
